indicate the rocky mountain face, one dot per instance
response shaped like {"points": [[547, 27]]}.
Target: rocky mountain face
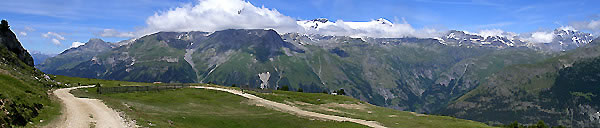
{"points": [[563, 40], [559, 90], [460, 38], [39, 57], [9, 40], [73, 56]]}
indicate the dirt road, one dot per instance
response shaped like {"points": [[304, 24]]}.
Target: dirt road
{"points": [[292, 109], [85, 113]]}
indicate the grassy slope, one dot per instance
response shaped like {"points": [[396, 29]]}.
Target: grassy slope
{"points": [[23, 96], [506, 94], [188, 108], [88, 81], [350, 107], [201, 108]]}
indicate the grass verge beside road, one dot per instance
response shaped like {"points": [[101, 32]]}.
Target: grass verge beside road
{"points": [[201, 108]]}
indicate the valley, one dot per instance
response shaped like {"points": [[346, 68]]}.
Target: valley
{"points": [[299, 64], [410, 74]]}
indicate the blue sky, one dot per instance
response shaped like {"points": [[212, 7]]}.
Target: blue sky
{"points": [[68, 21]]}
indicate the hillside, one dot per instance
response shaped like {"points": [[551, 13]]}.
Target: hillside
{"points": [[23, 89], [414, 74], [187, 108], [558, 90]]}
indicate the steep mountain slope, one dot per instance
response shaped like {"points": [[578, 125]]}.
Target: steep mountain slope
{"points": [[39, 57], [551, 90], [563, 39], [10, 42], [73, 56], [23, 88]]}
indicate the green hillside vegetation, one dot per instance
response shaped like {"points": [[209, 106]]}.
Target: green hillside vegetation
{"points": [[77, 81], [408, 74], [353, 108], [188, 108], [200, 108], [24, 99], [547, 90]]}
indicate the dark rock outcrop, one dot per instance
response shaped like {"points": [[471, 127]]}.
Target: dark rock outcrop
{"points": [[9, 40]]}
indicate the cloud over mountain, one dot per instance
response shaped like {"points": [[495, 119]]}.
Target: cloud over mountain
{"points": [[214, 15], [541, 37], [115, 33], [76, 44], [374, 28]]}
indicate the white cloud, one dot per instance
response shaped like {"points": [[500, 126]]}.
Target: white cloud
{"points": [[374, 28], [115, 33], [496, 32], [593, 25], [567, 28], [214, 15], [490, 32], [541, 37], [29, 29], [76, 44], [25, 30], [53, 34], [55, 37], [55, 41]]}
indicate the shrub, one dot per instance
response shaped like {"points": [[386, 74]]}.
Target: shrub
{"points": [[341, 92], [285, 88]]}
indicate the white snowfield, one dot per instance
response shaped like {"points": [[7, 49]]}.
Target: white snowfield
{"points": [[293, 110]]}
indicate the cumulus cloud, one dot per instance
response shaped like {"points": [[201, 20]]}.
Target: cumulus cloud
{"points": [[25, 30], [490, 32], [374, 28], [53, 34], [55, 37], [115, 33], [76, 44], [540, 37], [214, 15], [567, 28], [593, 25], [29, 29], [55, 41]]}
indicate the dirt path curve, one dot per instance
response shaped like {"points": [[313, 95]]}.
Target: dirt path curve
{"points": [[292, 109], [84, 112]]}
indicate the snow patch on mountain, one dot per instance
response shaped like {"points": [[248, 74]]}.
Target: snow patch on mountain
{"points": [[561, 39], [378, 28]]}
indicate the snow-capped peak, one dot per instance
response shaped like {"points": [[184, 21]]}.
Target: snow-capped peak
{"points": [[315, 23], [567, 28], [322, 20], [384, 21]]}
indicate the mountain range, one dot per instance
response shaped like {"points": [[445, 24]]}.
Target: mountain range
{"points": [[460, 74]]}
